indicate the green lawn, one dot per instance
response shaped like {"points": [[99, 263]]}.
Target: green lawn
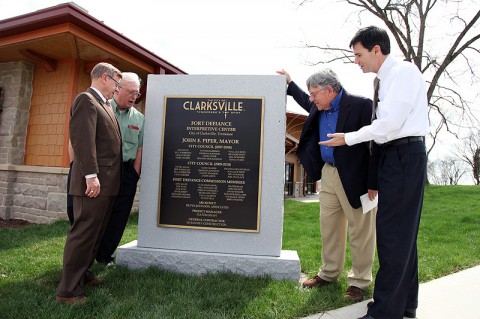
{"points": [[31, 261]]}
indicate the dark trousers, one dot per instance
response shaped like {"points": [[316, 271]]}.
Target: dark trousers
{"points": [[70, 197], [83, 240], [401, 183], [120, 213]]}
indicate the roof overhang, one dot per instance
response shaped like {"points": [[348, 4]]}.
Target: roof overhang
{"points": [[67, 32]]}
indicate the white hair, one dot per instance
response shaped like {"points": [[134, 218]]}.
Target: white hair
{"points": [[130, 77]]}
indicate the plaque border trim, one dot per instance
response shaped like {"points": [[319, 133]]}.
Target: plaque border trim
{"points": [[260, 167]]}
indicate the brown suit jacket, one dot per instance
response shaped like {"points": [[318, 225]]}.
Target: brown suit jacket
{"points": [[97, 144]]}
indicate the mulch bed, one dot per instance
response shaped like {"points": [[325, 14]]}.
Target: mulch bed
{"points": [[13, 223]]}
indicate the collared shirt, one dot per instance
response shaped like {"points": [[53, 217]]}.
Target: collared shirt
{"points": [[131, 125], [104, 100], [402, 108], [328, 124]]}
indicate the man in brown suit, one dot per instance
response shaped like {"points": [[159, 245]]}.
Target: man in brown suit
{"points": [[95, 179]]}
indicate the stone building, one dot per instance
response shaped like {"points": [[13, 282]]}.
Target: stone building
{"points": [[45, 60], [297, 182]]}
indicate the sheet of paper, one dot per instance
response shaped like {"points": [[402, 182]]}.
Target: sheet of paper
{"points": [[367, 204]]}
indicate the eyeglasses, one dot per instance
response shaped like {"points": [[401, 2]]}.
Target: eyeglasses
{"points": [[313, 94], [117, 84], [134, 93]]}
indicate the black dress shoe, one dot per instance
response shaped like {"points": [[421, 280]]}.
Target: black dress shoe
{"points": [[367, 316], [409, 313]]}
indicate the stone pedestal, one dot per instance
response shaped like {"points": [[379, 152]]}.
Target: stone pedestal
{"points": [[286, 266], [213, 244]]}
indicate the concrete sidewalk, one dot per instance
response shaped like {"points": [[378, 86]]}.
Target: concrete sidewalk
{"points": [[455, 296], [311, 198]]}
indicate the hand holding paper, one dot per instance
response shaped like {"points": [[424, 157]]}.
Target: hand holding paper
{"points": [[367, 204]]}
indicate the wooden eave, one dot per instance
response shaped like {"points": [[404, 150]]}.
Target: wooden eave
{"points": [[68, 18]]}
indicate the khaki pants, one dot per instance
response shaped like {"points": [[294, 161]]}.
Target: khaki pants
{"points": [[335, 215]]}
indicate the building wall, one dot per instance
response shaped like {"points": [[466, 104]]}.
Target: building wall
{"points": [[26, 192], [295, 125], [36, 194], [294, 128], [32, 181], [16, 84], [297, 174], [46, 128], [33, 193]]}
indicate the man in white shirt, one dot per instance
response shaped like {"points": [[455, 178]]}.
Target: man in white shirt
{"points": [[400, 122]]}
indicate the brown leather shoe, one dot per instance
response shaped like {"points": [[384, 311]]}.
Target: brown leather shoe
{"points": [[315, 282], [94, 282], [71, 300], [355, 294]]}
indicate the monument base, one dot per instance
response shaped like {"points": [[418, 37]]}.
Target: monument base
{"points": [[287, 266]]}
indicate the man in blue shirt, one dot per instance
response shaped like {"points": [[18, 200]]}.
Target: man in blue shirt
{"points": [[346, 173]]}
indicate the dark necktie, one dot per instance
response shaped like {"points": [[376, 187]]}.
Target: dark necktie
{"points": [[376, 85]]}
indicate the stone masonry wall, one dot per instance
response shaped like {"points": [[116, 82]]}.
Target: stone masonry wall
{"points": [[38, 197], [16, 82], [35, 194]]}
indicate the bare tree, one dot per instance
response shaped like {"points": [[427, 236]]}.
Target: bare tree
{"points": [[446, 171], [446, 61], [433, 176], [469, 153]]}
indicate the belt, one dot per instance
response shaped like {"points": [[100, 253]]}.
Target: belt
{"points": [[128, 163], [403, 140]]}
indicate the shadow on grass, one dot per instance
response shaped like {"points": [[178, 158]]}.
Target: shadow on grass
{"points": [[326, 298], [11, 238]]}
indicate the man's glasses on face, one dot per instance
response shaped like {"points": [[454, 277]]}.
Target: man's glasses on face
{"points": [[314, 93], [117, 84]]}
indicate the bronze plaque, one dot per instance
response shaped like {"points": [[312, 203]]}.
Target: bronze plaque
{"points": [[211, 163]]}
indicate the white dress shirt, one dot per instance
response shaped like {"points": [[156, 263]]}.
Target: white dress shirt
{"points": [[402, 108]]}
